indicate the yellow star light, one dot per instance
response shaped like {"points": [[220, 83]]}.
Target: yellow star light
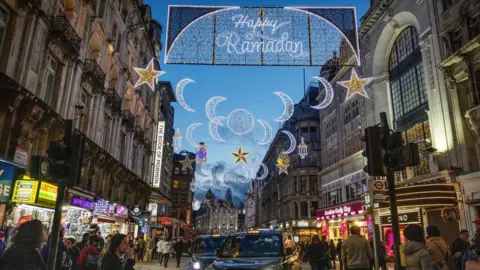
{"points": [[355, 85], [240, 156], [148, 75], [283, 162]]}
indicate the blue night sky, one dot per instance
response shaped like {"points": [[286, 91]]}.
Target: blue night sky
{"points": [[247, 87]]}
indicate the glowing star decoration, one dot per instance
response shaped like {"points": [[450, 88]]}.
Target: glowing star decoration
{"points": [[187, 163], [302, 149], [201, 155], [177, 139], [179, 93], [148, 75], [283, 162], [240, 156], [288, 107], [355, 85]]}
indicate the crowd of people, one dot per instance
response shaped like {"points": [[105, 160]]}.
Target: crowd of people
{"points": [[424, 249], [31, 250]]}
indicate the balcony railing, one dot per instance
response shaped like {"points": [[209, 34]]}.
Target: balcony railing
{"points": [[93, 70], [113, 100], [62, 27]]}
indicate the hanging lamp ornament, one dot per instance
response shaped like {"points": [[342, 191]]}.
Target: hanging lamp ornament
{"points": [[355, 85], [148, 75], [177, 139], [302, 149], [187, 163], [283, 162]]}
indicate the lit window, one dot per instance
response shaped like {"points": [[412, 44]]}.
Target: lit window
{"points": [[175, 184]]}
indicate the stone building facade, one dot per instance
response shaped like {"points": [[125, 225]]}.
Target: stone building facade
{"points": [[181, 194], [74, 59]]}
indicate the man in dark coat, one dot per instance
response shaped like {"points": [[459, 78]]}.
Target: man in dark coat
{"points": [[178, 247], [316, 254]]}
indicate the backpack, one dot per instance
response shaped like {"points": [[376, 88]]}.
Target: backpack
{"points": [[93, 260]]}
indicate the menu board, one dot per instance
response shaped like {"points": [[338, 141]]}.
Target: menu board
{"points": [[25, 191]]}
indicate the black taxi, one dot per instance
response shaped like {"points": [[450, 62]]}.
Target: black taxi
{"points": [[258, 249], [204, 251]]}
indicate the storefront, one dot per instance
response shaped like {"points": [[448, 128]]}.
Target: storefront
{"points": [[77, 214], [405, 217], [34, 200], [6, 180], [302, 230], [337, 220], [106, 216]]}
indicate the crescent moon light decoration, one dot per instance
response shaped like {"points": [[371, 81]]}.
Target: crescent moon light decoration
{"points": [[245, 178], [328, 94], [214, 175], [198, 170], [179, 93], [268, 132], [213, 128], [210, 107], [264, 173], [288, 107], [189, 133], [293, 142]]}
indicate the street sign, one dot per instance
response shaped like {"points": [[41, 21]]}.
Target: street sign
{"points": [[378, 186]]}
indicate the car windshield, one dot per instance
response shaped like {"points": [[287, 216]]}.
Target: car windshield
{"points": [[252, 245], [208, 245]]}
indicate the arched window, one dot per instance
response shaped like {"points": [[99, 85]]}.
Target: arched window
{"points": [[409, 95], [406, 74]]}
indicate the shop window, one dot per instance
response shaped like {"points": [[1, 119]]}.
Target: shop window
{"points": [[49, 79], [175, 184]]}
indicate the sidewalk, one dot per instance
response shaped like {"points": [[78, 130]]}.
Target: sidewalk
{"points": [[172, 264]]}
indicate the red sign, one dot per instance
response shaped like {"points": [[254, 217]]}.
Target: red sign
{"points": [[23, 220], [166, 221], [347, 209]]}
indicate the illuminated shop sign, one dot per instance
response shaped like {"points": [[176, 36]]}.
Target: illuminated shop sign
{"points": [[157, 172], [81, 202], [403, 218], [25, 191], [6, 179], [48, 192], [340, 211], [121, 211], [102, 207]]}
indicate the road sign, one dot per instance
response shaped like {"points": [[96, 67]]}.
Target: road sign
{"points": [[378, 186]]}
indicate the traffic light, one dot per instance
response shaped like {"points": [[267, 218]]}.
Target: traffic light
{"points": [[373, 151], [398, 155]]}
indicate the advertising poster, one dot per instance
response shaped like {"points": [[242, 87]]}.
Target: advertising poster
{"points": [[25, 191], [6, 179]]}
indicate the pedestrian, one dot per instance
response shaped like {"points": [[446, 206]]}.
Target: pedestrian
{"points": [[84, 242], [73, 251], [459, 247], [356, 251], [113, 259], [382, 256], [149, 246], [23, 254], [416, 255], [167, 249], [333, 253], [3, 246], [316, 254], [101, 244], [63, 259], [159, 251], [179, 246], [339, 252], [90, 255], [437, 248], [141, 249], [289, 245], [136, 248]]}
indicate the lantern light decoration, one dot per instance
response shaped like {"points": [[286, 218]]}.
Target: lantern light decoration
{"points": [[192, 185], [302, 149], [177, 139]]}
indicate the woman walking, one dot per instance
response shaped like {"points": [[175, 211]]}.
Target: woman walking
{"points": [[167, 249], [437, 248], [24, 254], [333, 253], [416, 256]]}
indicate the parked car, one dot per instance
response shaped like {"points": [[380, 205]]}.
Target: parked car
{"points": [[204, 251]]}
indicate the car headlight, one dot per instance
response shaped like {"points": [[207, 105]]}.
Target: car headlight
{"points": [[196, 265]]}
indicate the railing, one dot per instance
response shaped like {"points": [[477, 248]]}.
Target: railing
{"points": [[62, 26], [93, 69], [113, 99]]}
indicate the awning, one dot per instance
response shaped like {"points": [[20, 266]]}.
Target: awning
{"points": [[149, 224]]}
